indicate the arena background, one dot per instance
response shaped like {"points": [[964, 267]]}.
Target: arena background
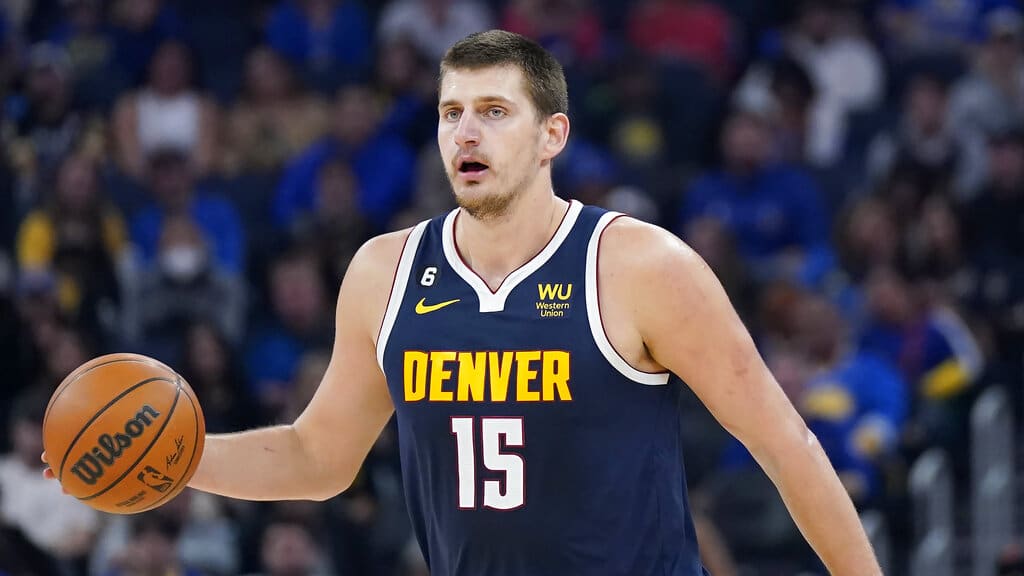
{"points": [[188, 179]]}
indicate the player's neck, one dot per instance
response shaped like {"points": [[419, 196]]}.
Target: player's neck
{"points": [[496, 247]]}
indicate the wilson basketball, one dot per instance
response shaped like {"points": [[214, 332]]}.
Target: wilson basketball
{"points": [[123, 433]]}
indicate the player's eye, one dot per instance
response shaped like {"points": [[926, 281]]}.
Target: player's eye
{"points": [[451, 115], [496, 113]]}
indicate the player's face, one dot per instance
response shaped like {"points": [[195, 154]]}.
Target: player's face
{"points": [[489, 136]]}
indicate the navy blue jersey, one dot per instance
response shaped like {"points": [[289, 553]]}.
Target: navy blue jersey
{"points": [[529, 447]]}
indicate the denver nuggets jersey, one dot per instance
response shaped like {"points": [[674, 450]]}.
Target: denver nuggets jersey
{"points": [[529, 447]]}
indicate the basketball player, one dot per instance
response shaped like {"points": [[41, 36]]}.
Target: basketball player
{"points": [[532, 349]]}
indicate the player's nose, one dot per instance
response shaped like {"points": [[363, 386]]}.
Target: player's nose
{"points": [[467, 133]]}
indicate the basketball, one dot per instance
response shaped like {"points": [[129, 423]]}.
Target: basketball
{"points": [[123, 433]]}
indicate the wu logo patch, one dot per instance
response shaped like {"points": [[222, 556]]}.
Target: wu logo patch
{"points": [[553, 300]]}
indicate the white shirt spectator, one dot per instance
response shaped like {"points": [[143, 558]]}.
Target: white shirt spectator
{"points": [[433, 25], [48, 518]]}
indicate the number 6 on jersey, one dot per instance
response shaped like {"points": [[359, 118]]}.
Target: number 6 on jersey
{"points": [[492, 431]]}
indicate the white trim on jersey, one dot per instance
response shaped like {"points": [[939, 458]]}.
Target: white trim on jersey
{"points": [[402, 273], [594, 314], [495, 301]]}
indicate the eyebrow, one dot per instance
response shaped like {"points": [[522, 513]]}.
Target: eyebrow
{"points": [[480, 100]]}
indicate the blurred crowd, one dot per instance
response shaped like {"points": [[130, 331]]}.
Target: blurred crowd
{"points": [[188, 179]]}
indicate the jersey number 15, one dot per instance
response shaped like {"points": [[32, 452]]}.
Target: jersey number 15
{"points": [[493, 432]]}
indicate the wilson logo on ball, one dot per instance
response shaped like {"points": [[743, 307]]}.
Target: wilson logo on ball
{"points": [[109, 447]]}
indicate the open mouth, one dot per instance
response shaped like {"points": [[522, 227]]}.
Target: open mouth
{"points": [[471, 167]]}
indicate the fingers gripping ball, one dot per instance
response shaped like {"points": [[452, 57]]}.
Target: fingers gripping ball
{"points": [[123, 433]]}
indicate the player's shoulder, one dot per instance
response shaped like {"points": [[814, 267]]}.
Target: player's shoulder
{"points": [[377, 258], [644, 249]]}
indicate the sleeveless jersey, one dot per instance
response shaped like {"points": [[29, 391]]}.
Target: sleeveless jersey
{"points": [[529, 447]]}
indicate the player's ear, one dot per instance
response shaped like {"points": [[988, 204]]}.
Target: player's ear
{"points": [[556, 134]]}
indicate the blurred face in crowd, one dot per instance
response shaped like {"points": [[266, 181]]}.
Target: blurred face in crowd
{"points": [[398, 65], [267, 77], [288, 550], [137, 14], [356, 114], [820, 330], [297, 293], [871, 234], [67, 352], [1003, 50], [153, 552], [336, 192], [170, 72], [183, 254], [77, 184], [490, 137], [745, 143], [27, 440], [206, 354], [1006, 164], [170, 178], [817, 20], [48, 88], [890, 299], [926, 105]]}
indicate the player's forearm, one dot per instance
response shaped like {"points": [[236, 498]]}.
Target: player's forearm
{"points": [[263, 464], [819, 504]]}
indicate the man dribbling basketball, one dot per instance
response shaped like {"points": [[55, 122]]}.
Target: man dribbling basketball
{"points": [[532, 349]]}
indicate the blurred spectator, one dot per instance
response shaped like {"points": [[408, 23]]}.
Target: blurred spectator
{"points": [[289, 548], [433, 25], [710, 238], [383, 163], [301, 321], [994, 222], [139, 28], [854, 401], [171, 181], [691, 30], [46, 127], [991, 97], [326, 39], [934, 250], [275, 118], [931, 346], [846, 69], [774, 211], [784, 92], [187, 285], [211, 366], [168, 113], [201, 537], [335, 228], [51, 522], [408, 86], [945, 161], [994, 235], [89, 40], [66, 350], [38, 319], [570, 29], [921, 27], [151, 548], [81, 237], [869, 238]]}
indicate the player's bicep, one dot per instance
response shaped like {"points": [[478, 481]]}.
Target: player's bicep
{"points": [[352, 404], [690, 327]]}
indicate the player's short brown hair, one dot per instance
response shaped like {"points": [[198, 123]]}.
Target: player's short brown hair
{"points": [[545, 80]]}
